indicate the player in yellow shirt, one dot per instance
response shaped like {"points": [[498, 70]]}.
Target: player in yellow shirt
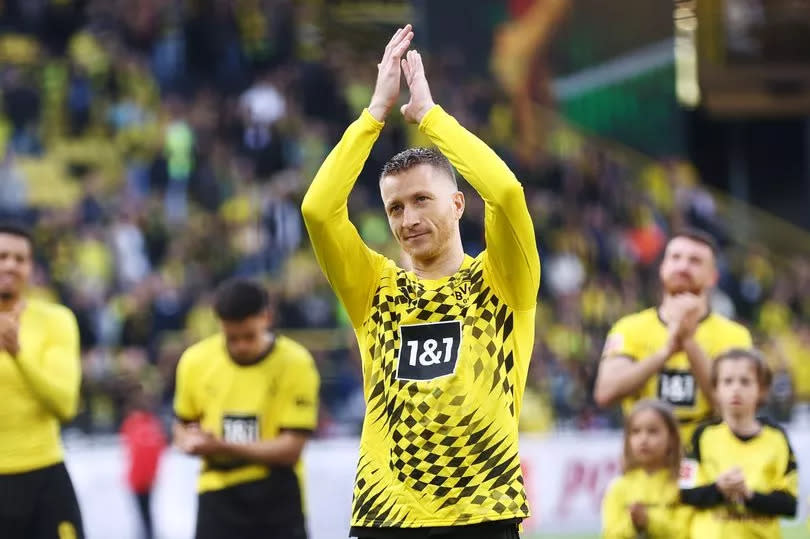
{"points": [[446, 344], [745, 475], [665, 352], [246, 401], [644, 501], [40, 372]]}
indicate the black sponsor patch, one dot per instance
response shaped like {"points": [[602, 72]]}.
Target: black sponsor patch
{"points": [[428, 351], [240, 428], [677, 388]]}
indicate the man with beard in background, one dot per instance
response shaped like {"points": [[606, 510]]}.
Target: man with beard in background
{"points": [[665, 352]]}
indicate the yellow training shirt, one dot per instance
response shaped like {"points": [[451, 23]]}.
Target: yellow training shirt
{"points": [[769, 467], [245, 403], [640, 335], [39, 388], [658, 491], [444, 361]]}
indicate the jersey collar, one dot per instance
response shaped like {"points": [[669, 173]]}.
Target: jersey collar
{"points": [[705, 317], [465, 263], [261, 357]]}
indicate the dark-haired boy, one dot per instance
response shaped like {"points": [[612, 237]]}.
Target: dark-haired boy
{"points": [[246, 402]]}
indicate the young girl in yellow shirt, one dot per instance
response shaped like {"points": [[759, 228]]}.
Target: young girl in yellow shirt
{"points": [[644, 501]]}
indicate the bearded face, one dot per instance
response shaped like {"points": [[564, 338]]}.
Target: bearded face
{"points": [[688, 266]]}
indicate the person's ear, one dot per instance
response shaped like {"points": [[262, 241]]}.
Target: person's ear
{"points": [[458, 204], [269, 318]]}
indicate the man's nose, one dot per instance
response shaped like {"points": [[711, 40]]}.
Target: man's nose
{"points": [[410, 217], [682, 265]]}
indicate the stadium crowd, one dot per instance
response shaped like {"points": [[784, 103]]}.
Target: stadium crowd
{"points": [[157, 147]]}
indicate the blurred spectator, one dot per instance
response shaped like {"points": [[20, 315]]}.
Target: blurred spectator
{"points": [[21, 105], [179, 153], [129, 249], [144, 439], [13, 189]]}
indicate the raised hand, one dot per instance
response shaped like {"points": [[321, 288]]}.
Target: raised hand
{"points": [[682, 313], [386, 90], [421, 101]]}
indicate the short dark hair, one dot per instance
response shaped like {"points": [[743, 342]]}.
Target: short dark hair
{"points": [[16, 229], [754, 357], [698, 235], [239, 299], [407, 159]]}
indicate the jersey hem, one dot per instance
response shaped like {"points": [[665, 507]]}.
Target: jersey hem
{"points": [[441, 523], [33, 465]]}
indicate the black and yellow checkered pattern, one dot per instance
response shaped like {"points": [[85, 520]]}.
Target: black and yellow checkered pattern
{"points": [[444, 361], [442, 451]]}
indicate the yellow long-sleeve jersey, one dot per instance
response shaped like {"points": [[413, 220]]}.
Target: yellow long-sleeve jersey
{"points": [[445, 360], [770, 471], [40, 387], [658, 491]]}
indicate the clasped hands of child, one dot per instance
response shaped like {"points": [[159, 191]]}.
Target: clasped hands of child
{"points": [[731, 484]]}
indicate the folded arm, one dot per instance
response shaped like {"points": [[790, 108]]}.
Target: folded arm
{"points": [[616, 521], [704, 496], [620, 376], [673, 524], [54, 372], [284, 450], [777, 503], [783, 499]]}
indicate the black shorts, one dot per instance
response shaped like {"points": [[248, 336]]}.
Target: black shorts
{"points": [[487, 530], [269, 508], [40, 504]]}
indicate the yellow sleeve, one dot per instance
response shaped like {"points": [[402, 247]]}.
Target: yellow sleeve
{"points": [[300, 409], [185, 409], [511, 259], [622, 340], [53, 372], [349, 265], [736, 336], [789, 481], [616, 522], [671, 524]]}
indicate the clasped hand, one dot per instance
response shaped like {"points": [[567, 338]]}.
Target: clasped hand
{"points": [[10, 330], [389, 70], [198, 442], [682, 314], [731, 484]]}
